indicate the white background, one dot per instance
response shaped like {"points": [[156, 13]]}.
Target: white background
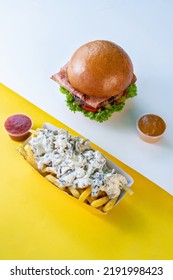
{"points": [[37, 37]]}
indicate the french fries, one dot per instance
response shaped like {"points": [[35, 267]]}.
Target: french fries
{"points": [[74, 192], [101, 202], [53, 180], [85, 194], [109, 205]]}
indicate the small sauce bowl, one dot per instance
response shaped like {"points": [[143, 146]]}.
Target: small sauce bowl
{"points": [[150, 127], [18, 126]]}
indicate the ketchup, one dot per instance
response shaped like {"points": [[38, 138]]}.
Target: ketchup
{"points": [[18, 126]]}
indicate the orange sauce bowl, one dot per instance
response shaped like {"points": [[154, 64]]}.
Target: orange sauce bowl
{"points": [[150, 127]]}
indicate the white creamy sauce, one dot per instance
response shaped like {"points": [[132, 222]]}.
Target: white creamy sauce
{"points": [[74, 162]]}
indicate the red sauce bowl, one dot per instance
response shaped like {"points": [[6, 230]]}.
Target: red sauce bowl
{"points": [[18, 126]]}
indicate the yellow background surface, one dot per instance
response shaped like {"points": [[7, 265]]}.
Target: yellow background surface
{"points": [[38, 221]]}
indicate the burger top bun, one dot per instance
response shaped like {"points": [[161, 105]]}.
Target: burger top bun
{"points": [[100, 69]]}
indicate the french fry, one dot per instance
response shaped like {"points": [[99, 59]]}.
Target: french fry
{"points": [[26, 153], [53, 180], [33, 132], [128, 190], [90, 199], [74, 192], [100, 201], [85, 194], [31, 161], [29, 151], [48, 169], [30, 158], [22, 151], [110, 204]]}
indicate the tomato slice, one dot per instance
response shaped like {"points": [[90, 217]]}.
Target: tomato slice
{"points": [[125, 93], [89, 109]]}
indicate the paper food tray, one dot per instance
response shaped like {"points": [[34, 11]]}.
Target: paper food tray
{"points": [[110, 164]]}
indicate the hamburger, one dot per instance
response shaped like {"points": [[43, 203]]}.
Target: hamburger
{"points": [[97, 80]]}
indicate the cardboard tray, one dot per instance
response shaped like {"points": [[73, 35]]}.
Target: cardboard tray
{"points": [[110, 164]]}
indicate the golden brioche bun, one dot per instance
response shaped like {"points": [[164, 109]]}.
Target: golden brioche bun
{"points": [[100, 69]]}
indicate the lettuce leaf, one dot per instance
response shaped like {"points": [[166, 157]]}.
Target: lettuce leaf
{"points": [[131, 91], [102, 114]]}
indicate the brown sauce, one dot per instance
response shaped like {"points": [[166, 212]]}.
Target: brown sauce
{"points": [[151, 125]]}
